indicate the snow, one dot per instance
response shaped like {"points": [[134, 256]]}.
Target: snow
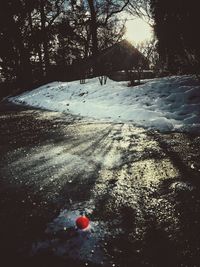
{"points": [[165, 104]]}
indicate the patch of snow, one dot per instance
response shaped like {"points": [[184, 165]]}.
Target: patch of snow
{"points": [[166, 104], [181, 186]]}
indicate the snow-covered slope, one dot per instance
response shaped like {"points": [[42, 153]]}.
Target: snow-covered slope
{"points": [[167, 104]]}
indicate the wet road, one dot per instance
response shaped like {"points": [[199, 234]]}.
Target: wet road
{"points": [[140, 189]]}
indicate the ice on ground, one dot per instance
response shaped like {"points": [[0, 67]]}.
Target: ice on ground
{"points": [[64, 240], [166, 104]]}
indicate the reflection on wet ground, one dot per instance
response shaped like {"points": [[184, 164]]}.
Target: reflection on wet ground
{"points": [[139, 188]]}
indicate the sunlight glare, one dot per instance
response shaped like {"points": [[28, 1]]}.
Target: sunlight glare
{"points": [[137, 31]]}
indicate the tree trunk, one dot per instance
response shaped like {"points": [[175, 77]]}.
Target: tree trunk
{"points": [[45, 39], [93, 29], [39, 50], [24, 77]]}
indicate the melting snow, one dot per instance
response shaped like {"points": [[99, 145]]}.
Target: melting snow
{"points": [[166, 104]]}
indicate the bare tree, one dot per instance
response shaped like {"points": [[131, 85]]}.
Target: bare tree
{"points": [[149, 50], [102, 14], [48, 17], [140, 9]]}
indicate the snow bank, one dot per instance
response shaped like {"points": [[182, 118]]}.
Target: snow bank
{"points": [[166, 104]]}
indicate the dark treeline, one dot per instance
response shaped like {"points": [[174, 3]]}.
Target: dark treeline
{"points": [[45, 40], [176, 27], [40, 40]]}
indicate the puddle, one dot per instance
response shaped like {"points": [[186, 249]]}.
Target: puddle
{"points": [[63, 239]]}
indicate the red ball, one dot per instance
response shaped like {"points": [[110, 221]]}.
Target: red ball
{"points": [[82, 222]]}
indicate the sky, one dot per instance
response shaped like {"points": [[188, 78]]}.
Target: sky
{"points": [[137, 31]]}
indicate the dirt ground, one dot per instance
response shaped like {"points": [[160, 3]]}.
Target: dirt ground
{"points": [[140, 189]]}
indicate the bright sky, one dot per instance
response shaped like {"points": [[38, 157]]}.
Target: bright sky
{"points": [[137, 31]]}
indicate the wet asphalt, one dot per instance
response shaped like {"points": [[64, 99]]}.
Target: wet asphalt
{"points": [[140, 189]]}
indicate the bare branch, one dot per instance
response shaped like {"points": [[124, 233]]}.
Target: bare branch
{"points": [[141, 9], [114, 12], [58, 12]]}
